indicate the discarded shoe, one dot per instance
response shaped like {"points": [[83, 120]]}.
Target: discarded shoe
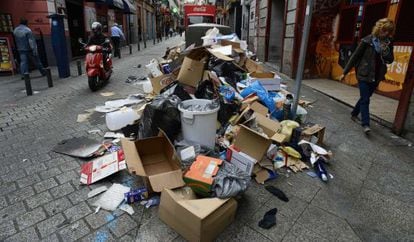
{"points": [[269, 219], [278, 193], [367, 129]]}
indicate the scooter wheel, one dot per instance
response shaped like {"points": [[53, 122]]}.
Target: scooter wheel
{"points": [[93, 82]]}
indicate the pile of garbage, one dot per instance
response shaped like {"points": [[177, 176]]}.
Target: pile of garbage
{"points": [[210, 119]]}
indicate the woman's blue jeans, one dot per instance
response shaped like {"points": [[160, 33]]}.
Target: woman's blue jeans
{"points": [[366, 89]]}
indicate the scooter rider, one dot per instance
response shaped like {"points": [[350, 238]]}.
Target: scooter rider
{"points": [[98, 38]]}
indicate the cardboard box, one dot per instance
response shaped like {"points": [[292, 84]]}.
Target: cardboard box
{"points": [[158, 83], [154, 159], [102, 167], [269, 80], [241, 160], [253, 66], [270, 127], [192, 68], [196, 219], [200, 176], [252, 143]]}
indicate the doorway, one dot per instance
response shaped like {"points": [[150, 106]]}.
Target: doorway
{"points": [[275, 37], [76, 25]]}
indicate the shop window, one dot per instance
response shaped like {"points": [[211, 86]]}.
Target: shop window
{"points": [[404, 32], [372, 13], [347, 24]]}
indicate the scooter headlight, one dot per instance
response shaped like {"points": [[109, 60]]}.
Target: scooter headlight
{"points": [[92, 48]]}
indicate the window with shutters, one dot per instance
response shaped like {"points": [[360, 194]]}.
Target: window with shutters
{"points": [[404, 32], [373, 11], [347, 24]]}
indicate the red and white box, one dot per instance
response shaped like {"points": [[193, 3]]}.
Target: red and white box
{"points": [[102, 167]]}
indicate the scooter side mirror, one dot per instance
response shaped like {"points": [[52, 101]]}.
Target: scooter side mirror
{"points": [[107, 41], [80, 40]]}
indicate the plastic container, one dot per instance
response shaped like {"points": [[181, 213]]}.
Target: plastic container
{"points": [[147, 86], [121, 118], [153, 68], [199, 126]]}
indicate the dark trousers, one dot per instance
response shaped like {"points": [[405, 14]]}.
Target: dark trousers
{"points": [[366, 89], [116, 41]]}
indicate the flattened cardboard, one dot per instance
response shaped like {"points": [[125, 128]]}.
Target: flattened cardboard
{"points": [[220, 55], [154, 159], [253, 66], [196, 219], [101, 167], [158, 83], [252, 143], [259, 108]]}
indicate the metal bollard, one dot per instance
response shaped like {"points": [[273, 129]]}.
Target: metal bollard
{"points": [[79, 64], [49, 77], [145, 40], [139, 47], [130, 49], [153, 40], [28, 85]]}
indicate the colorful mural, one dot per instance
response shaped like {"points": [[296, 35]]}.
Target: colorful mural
{"points": [[326, 58]]}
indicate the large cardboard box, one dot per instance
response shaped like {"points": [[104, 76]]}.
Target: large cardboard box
{"points": [[253, 66], [154, 159], [270, 127], [251, 142], [196, 219], [193, 66], [159, 82]]}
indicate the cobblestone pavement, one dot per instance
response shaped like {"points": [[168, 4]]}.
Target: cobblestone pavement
{"points": [[369, 198]]}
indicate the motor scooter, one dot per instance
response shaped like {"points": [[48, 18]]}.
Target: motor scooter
{"points": [[97, 70]]}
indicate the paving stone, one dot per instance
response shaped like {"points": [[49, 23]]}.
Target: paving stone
{"points": [[51, 225], [20, 194], [39, 199], [74, 231], [28, 180], [51, 238], [13, 175], [78, 211], [68, 176], [61, 190], [155, 230], [45, 185], [3, 202], [301, 233], [35, 168], [101, 235], [57, 206], [79, 195], [28, 234], [7, 229], [55, 162], [10, 212], [50, 173], [239, 232], [7, 188], [69, 165], [30, 218], [96, 220], [122, 225]]}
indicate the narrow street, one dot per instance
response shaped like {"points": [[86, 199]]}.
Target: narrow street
{"points": [[369, 198]]}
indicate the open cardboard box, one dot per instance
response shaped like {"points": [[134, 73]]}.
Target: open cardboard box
{"points": [[193, 218], [159, 82], [253, 66], [154, 159], [269, 80], [192, 68]]}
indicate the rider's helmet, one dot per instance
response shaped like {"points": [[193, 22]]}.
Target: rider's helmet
{"points": [[96, 28]]}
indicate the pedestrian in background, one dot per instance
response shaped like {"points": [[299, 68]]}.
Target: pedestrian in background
{"points": [[116, 36], [370, 59], [27, 48]]}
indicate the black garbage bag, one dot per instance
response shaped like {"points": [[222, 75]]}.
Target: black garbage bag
{"points": [[161, 113], [226, 111], [175, 88], [230, 181], [230, 71], [205, 90]]}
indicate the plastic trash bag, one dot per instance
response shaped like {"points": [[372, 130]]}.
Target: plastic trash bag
{"points": [[205, 90], [175, 88], [163, 114], [230, 181], [261, 92]]}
